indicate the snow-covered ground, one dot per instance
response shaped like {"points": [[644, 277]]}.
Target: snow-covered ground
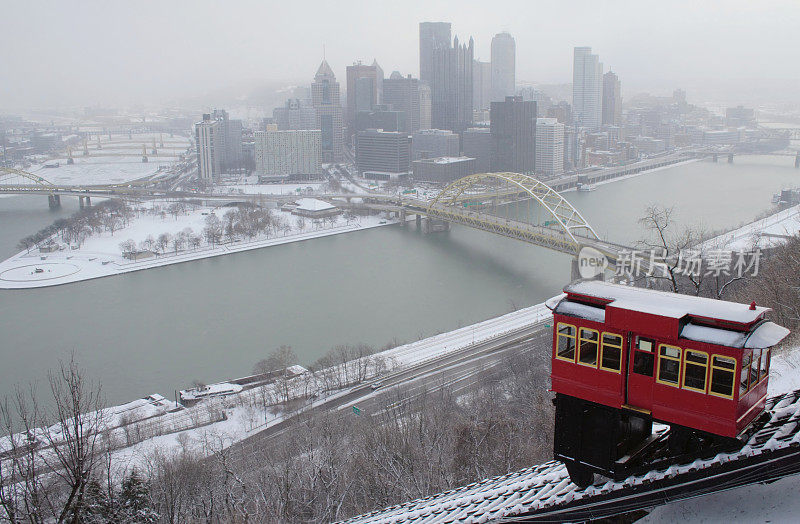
{"points": [[118, 159], [246, 412], [763, 233], [100, 255]]}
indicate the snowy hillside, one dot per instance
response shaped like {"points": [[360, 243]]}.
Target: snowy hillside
{"points": [[776, 502]]}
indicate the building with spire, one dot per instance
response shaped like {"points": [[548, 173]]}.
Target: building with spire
{"points": [[328, 108], [451, 86]]}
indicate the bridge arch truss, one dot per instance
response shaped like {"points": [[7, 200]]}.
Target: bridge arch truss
{"points": [[454, 201], [10, 177]]}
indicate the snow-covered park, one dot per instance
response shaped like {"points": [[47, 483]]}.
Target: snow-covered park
{"points": [[156, 234]]}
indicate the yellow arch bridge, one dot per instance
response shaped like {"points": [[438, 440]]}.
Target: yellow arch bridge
{"points": [[516, 206]]}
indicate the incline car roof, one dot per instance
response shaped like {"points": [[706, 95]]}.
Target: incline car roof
{"points": [[665, 304]]}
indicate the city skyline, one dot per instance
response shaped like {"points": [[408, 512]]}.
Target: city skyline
{"points": [[680, 50]]}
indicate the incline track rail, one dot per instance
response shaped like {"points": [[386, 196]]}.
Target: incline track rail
{"points": [[545, 493]]}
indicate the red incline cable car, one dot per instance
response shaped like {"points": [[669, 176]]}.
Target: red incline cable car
{"points": [[625, 357]]}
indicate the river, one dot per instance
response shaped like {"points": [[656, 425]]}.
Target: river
{"points": [[160, 329]]}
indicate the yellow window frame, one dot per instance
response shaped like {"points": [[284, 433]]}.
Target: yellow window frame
{"points": [[685, 367], [603, 347], [574, 338], [734, 382], [674, 359], [764, 370], [580, 341]]}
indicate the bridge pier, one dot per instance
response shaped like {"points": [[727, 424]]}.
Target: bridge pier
{"points": [[434, 225], [714, 157], [402, 215], [54, 201], [797, 160], [730, 158], [84, 202], [419, 221]]}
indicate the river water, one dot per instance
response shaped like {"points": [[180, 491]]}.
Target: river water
{"points": [[160, 329]]}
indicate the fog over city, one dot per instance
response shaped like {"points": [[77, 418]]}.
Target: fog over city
{"points": [[95, 52], [384, 262]]}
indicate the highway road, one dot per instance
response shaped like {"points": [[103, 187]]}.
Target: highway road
{"points": [[458, 370]]}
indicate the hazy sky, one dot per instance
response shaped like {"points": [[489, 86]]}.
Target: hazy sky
{"points": [[65, 53]]}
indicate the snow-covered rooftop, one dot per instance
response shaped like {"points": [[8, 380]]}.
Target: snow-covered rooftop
{"points": [[312, 204], [666, 304]]}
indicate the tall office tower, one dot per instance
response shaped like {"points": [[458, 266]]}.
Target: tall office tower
{"points": [[382, 155], [481, 84], [549, 146], [612, 100], [431, 36], [477, 144], [504, 79], [229, 143], [208, 139], [288, 152], [513, 131], [362, 91], [587, 88], [378, 80], [295, 115], [325, 98], [451, 86], [424, 106], [402, 94]]}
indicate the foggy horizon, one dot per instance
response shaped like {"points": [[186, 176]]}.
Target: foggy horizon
{"points": [[152, 54]]}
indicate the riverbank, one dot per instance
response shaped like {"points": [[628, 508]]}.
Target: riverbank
{"points": [[763, 233], [634, 175], [35, 269]]}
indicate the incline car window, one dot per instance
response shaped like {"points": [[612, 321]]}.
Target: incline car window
{"points": [[566, 342], [695, 370], [643, 358], [589, 339], [611, 354], [764, 363], [745, 374], [669, 365], [722, 375]]}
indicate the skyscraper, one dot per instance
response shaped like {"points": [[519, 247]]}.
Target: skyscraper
{"points": [[402, 94], [513, 131], [295, 115], [451, 86], [504, 80], [587, 88], [424, 106], [325, 98], [612, 100], [382, 155], [219, 144], [549, 146], [209, 142], [481, 85], [431, 35], [364, 84]]}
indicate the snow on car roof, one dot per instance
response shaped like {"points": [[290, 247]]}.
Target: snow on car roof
{"points": [[664, 303]]}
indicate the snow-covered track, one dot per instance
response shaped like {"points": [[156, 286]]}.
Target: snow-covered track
{"points": [[544, 493]]}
